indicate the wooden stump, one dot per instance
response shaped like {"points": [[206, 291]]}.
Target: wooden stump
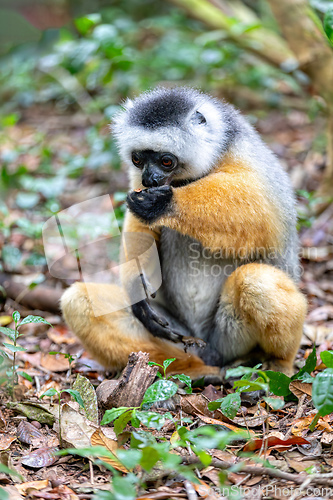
{"points": [[132, 385]]}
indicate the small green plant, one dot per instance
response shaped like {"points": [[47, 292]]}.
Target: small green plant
{"points": [[14, 334], [279, 384], [185, 379], [53, 392], [230, 404], [160, 390], [70, 360], [147, 452]]}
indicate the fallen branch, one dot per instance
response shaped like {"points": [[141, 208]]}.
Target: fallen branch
{"points": [[41, 297], [322, 479]]}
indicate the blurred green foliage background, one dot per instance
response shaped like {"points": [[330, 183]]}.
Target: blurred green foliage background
{"points": [[80, 72]]}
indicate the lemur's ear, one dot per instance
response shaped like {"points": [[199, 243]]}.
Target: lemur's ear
{"points": [[198, 118]]}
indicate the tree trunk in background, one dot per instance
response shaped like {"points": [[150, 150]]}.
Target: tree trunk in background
{"points": [[315, 57], [218, 15]]}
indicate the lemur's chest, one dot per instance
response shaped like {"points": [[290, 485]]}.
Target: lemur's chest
{"points": [[192, 277]]}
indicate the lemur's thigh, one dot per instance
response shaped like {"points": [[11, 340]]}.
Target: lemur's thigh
{"points": [[110, 338], [260, 305]]}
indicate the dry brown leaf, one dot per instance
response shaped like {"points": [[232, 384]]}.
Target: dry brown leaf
{"points": [[273, 442], [224, 455], [54, 363], [3, 422], [32, 358], [214, 421], [236, 478], [12, 492], [253, 481], [327, 437], [299, 466], [299, 388], [5, 441], [316, 334], [51, 384], [255, 421], [27, 432], [36, 485], [64, 492], [322, 313], [205, 491], [61, 335], [44, 457], [302, 424], [76, 429], [99, 439]]}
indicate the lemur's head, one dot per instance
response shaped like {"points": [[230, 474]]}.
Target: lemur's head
{"points": [[171, 135]]}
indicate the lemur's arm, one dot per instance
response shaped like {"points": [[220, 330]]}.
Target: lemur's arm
{"points": [[134, 248], [228, 209]]}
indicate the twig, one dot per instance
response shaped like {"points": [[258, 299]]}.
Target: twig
{"points": [[190, 491], [322, 479], [302, 487], [91, 469], [299, 412]]}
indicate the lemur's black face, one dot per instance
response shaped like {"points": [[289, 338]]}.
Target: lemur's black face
{"points": [[157, 168]]}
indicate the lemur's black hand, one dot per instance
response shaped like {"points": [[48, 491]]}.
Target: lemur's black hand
{"points": [[155, 324], [150, 204]]}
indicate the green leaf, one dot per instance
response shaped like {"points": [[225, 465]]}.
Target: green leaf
{"points": [[149, 458], [135, 421], [14, 348], [5, 470], [307, 378], [168, 362], [160, 391], [251, 385], [16, 316], [276, 404], [88, 395], [278, 383], [33, 411], [50, 392], [229, 405], [123, 488], [327, 358], [129, 458], [185, 379], [76, 396], [205, 458], [328, 24], [25, 375], [9, 332], [121, 422], [34, 319], [151, 419], [322, 392], [3, 494], [111, 415], [309, 366], [240, 371]]}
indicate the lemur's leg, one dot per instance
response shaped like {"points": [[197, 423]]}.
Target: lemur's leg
{"points": [[112, 337], [260, 306]]}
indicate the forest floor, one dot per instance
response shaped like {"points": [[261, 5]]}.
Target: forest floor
{"points": [[274, 433]]}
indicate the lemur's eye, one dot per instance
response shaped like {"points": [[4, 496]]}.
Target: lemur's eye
{"points": [[136, 159], [168, 161]]}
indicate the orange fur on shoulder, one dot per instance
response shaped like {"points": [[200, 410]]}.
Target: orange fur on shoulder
{"points": [[227, 209]]}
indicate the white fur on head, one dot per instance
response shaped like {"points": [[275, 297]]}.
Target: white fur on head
{"points": [[197, 145]]}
